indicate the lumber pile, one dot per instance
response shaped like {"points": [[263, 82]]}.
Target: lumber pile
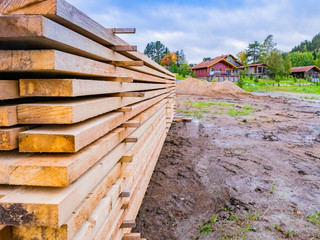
{"points": [[83, 118]]}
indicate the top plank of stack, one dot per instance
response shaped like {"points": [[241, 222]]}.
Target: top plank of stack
{"points": [[74, 24]]}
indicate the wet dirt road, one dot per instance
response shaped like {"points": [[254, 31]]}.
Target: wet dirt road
{"points": [[242, 169]]}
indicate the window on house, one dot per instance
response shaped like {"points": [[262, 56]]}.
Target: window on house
{"points": [[211, 71], [220, 70], [229, 59], [228, 71]]}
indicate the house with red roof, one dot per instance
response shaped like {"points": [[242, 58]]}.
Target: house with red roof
{"points": [[306, 71], [221, 68]]}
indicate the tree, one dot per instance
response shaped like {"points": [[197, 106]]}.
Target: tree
{"points": [[156, 51], [253, 52], [242, 57], [181, 58], [266, 48], [317, 62], [287, 65], [275, 63], [169, 59], [207, 59], [300, 59]]}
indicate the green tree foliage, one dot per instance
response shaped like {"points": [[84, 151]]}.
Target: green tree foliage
{"points": [[266, 48], [207, 59], [287, 65], [275, 63], [156, 51], [308, 46], [181, 58], [299, 59], [317, 62], [253, 52]]}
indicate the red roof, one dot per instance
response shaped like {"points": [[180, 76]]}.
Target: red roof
{"points": [[304, 69], [211, 62], [254, 65]]}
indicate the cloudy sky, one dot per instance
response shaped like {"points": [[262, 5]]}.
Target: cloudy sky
{"points": [[208, 28]]}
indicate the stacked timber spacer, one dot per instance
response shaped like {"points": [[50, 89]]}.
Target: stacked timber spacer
{"points": [[83, 118]]}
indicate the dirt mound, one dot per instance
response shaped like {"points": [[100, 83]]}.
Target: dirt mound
{"points": [[193, 86]]}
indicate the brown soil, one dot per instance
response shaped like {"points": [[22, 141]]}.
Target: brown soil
{"points": [[250, 176], [193, 86]]}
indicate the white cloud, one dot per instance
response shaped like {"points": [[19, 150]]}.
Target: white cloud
{"points": [[212, 31]]}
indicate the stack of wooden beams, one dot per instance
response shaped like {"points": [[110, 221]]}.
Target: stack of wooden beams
{"points": [[83, 118]]}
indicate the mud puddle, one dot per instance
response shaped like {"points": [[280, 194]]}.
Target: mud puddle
{"points": [[243, 169]]}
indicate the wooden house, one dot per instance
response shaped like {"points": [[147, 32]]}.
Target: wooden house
{"points": [[258, 70], [222, 68], [306, 71]]}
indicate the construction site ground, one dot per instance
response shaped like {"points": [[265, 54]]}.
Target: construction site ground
{"points": [[244, 168]]}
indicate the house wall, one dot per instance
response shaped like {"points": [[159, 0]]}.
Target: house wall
{"points": [[312, 72], [202, 72], [221, 65]]}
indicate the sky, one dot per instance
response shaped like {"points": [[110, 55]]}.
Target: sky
{"points": [[208, 28]]}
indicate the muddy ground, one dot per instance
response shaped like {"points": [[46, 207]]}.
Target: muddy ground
{"points": [[242, 169]]}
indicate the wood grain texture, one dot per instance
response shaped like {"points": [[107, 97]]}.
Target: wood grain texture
{"points": [[9, 137], [92, 201], [76, 220], [63, 169], [9, 89], [79, 87], [64, 13], [5, 233], [74, 137], [75, 110], [57, 62], [8, 116], [53, 206], [7, 6], [38, 32]]}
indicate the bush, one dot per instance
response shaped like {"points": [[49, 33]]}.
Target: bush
{"points": [[256, 80], [277, 78], [251, 76]]}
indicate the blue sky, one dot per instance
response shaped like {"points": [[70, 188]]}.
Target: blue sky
{"points": [[208, 28]]}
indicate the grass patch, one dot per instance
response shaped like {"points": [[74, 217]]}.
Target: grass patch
{"points": [[207, 104], [233, 113], [190, 113]]}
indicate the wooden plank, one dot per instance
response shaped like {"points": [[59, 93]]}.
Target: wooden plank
{"points": [[5, 233], [128, 224], [78, 217], [9, 137], [64, 13], [74, 137], [37, 32], [124, 48], [9, 89], [132, 236], [77, 110], [128, 63], [8, 116], [141, 167], [33, 170], [123, 30], [57, 62], [8, 6], [79, 87], [96, 219], [53, 206]]}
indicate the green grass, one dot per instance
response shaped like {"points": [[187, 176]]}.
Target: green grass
{"points": [[190, 113], [268, 85], [180, 77], [233, 113], [314, 218], [207, 104]]}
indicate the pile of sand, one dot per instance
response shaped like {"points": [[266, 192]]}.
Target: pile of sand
{"points": [[193, 86]]}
